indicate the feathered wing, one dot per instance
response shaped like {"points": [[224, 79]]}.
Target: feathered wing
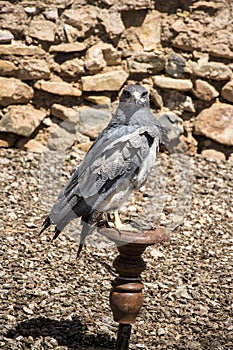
{"points": [[108, 173]]}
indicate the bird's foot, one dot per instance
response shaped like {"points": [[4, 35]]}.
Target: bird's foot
{"points": [[123, 227], [120, 226]]}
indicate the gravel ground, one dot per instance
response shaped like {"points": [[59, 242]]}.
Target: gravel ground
{"points": [[50, 300]]}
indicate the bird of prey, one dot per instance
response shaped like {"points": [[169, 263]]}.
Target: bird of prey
{"points": [[118, 162]]}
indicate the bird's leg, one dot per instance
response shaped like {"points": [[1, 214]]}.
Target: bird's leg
{"points": [[117, 219]]}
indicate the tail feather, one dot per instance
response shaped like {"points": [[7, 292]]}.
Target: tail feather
{"points": [[56, 233], [87, 230], [45, 225], [80, 248]]}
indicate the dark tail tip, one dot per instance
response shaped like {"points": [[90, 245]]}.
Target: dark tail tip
{"points": [[56, 234], [79, 250], [45, 225]]}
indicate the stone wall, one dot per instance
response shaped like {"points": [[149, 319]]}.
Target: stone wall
{"points": [[60, 58]]}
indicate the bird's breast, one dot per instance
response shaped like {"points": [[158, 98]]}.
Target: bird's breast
{"points": [[147, 165]]}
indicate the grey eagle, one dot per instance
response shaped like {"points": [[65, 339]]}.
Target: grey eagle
{"points": [[118, 162]]}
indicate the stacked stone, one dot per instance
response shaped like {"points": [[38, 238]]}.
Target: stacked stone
{"points": [[57, 58]]}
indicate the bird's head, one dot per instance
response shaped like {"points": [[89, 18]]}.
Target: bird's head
{"points": [[135, 94]]}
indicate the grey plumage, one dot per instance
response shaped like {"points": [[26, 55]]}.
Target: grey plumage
{"points": [[118, 162]]}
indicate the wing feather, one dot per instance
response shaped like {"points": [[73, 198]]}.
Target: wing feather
{"points": [[117, 155]]}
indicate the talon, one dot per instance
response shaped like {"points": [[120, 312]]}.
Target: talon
{"points": [[121, 226]]}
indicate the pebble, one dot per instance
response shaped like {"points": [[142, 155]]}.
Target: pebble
{"points": [[11, 216], [132, 208], [156, 253], [161, 331], [30, 10], [27, 310], [31, 225]]}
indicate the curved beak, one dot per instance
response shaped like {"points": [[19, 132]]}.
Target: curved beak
{"points": [[136, 97]]}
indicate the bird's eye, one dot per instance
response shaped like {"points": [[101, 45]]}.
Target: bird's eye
{"points": [[144, 94], [127, 93]]}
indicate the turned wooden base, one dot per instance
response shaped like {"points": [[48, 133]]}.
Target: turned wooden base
{"points": [[126, 296]]}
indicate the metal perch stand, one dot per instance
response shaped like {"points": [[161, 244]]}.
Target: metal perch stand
{"points": [[126, 296]]}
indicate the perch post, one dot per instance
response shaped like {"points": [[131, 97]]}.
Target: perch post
{"points": [[126, 296]]}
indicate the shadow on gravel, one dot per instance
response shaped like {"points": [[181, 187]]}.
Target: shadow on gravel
{"points": [[70, 333]]}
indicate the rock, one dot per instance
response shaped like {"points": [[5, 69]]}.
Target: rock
{"points": [[63, 112], [111, 21], [90, 117], [126, 5], [210, 70], [145, 35], [72, 68], [51, 14], [107, 81], [129, 42], [230, 158], [6, 36], [21, 120], [147, 62], [13, 18], [156, 98], [111, 55], [99, 100], [222, 50], [83, 18], [7, 140], [60, 4], [161, 331], [58, 88], [187, 105], [156, 253], [93, 121], [70, 125], [212, 154], [94, 60], [150, 31], [194, 345], [42, 30], [71, 33], [47, 122], [227, 91], [13, 91], [182, 292], [208, 5], [85, 146], [7, 67], [68, 47], [27, 310], [182, 40], [216, 123], [31, 146], [177, 101], [204, 91], [33, 69], [175, 66], [19, 49], [61, 139], [189, 25], [83, 139], [170, 83], [30, 10], [174, 126]]}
